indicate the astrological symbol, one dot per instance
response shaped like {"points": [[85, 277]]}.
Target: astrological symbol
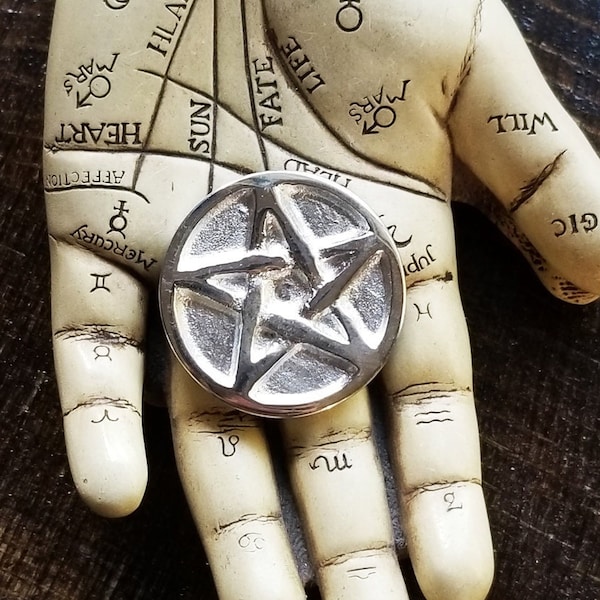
{"points": [[251, 542], [392, 230], [100, 283], [450, 500], [421, 312], [118, 222], [116, 4], [377, 109], [230, 449], [106, 417], [433, 416], [349, 17], [383, 117], [332, 464], [92, 80], [102, 352], [361, 572], [99, 87]]}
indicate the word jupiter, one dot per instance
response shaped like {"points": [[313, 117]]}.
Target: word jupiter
{"points": [[416, 265]]}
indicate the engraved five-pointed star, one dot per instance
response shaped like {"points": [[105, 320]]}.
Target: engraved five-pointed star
{"points": [[280, 261]]}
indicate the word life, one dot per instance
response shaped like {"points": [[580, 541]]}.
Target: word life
{"points": [[301, 65]]}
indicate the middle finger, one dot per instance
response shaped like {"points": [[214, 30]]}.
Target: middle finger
{"points": [[340, 491]]}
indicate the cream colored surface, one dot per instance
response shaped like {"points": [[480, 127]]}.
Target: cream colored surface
{"points": [[335, 470], [152, 105], [226, 472]]}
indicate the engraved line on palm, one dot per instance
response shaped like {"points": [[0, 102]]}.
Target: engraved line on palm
{"points": [[298, 327]]}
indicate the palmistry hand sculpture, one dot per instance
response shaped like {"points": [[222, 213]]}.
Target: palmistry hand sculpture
{"points": [[150, 106]]}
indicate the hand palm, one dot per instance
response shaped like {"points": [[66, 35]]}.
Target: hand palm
{"points": [[122, 178]]}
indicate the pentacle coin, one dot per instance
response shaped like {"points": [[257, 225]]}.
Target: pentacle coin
{"points": [[282, 294]]}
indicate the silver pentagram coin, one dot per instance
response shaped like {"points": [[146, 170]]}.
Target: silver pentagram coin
{"points": [[282, 294]]}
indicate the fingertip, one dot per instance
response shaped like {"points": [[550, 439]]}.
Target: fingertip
{"points": [[452, 553], [458, 578], [113, 497], [108, 461]]}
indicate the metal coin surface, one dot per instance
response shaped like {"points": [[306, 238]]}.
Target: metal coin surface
{"points": [[282, 294]]}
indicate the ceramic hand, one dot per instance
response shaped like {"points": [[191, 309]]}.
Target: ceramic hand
{"points": [[150, 106]]}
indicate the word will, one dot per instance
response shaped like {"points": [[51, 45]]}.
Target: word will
{"points": [[519, 122]]}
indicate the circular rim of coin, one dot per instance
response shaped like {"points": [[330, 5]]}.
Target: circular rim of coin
{"points": [[253, 308]]}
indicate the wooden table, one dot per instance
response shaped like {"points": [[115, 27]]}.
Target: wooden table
{"points": [[537, 365]]}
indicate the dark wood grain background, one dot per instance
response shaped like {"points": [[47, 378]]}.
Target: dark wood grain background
{"points": [[537, 366]]}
